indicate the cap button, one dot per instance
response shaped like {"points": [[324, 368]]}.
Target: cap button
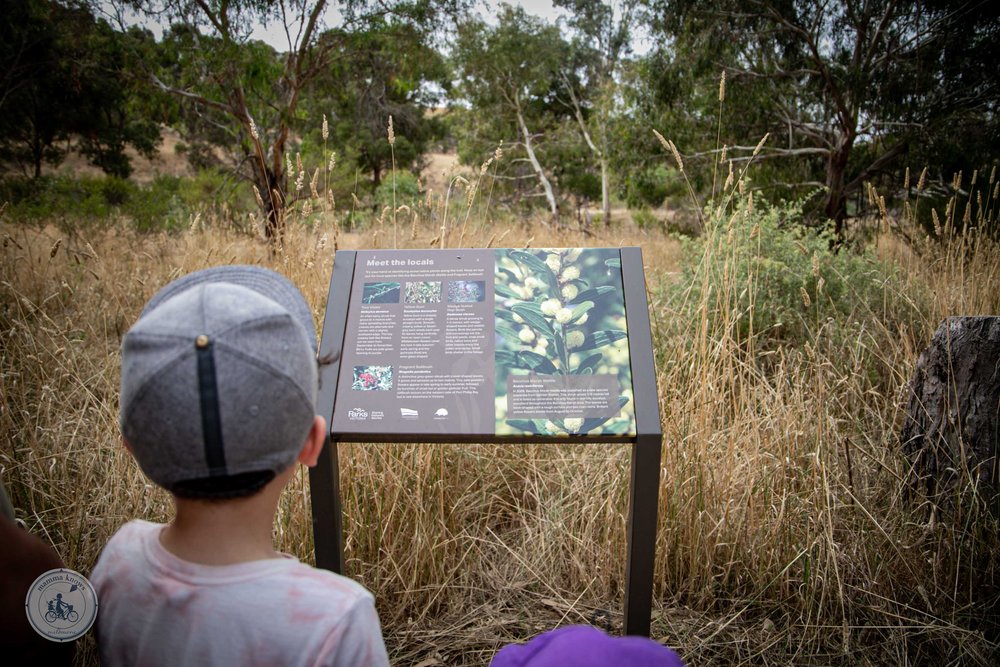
{"points": [[201, 341]]}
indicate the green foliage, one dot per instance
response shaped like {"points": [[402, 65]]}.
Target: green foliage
{"points": [[165, 204], [385, 68], [509, 75], [765, 278], [407, 189], [68, 74], [644, 219], [561, 312]]}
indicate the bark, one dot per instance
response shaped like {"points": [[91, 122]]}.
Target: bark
{"points": [[605, 192], [267, 183], [550, 196], [836, 197], [951, 432]]}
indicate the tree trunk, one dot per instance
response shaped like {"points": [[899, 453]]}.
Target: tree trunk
{"points": [[951, 432], [550, 196], [836, 202], [605, 192], [274, 206]]}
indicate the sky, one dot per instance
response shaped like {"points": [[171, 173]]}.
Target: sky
{"points": [[274, 35]]}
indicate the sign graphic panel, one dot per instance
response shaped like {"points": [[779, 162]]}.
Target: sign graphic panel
{"points": [[486, 342], [562, 362]]}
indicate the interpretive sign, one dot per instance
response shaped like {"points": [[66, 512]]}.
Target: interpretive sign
{"points": [[484, 345]]}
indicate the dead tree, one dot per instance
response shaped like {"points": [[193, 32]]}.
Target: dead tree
{"points": [[951, 432]]}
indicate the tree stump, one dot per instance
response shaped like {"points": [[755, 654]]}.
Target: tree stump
{"points": [[951, 433]]}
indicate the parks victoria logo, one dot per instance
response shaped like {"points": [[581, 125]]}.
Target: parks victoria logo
{"points": [[61, 605]]}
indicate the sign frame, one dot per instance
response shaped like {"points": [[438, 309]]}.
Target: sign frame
{"points": [[324, 478]]}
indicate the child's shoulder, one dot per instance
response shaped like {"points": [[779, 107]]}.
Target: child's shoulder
{"points": [[315, 582]]}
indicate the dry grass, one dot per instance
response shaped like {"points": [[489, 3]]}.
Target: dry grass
{"points": [[783, 538]]}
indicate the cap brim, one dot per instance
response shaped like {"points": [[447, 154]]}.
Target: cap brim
{"points": [[272, 285]]}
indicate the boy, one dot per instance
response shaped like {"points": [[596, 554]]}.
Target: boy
{"points": [[219, 381]]}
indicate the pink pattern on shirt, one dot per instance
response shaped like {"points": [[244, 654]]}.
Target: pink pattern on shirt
{"points": [[157, 609]]}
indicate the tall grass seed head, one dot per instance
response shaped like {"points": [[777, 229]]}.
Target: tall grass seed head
{"points": [[326, 128], [392, 133]]}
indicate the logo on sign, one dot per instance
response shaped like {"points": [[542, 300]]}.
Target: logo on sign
{"points": [[357, 414]]}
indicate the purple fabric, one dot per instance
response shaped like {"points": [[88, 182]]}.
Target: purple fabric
{"points": [[584, 646]]}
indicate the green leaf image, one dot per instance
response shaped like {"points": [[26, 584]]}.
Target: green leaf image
{"points": [[535, 264], [506, 315], [589, 364], [592, 294], [505, 358], [526, 425], [600, 339], [505, 291], [532, 316], [580, 310], [535, 362], [508, 332], [591, 423]]}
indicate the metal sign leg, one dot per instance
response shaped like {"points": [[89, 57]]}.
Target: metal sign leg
{"points": [[643, 497]]}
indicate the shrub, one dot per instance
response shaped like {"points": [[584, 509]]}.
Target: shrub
{"points": [[644, 219], [407, 190], [761, 276]]}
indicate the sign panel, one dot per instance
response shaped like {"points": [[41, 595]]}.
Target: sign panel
{"points": [[486, 343]]}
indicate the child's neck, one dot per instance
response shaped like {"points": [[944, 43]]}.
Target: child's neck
{"points": [[223, 532]]}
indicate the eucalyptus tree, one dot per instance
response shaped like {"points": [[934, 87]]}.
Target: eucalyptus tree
{"points": [[509, 74], [63, 75], [828, 77], [602, 41], [250, 92], [390, 68]]}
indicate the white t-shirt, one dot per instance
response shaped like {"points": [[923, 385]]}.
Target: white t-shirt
{"points": [[156, 609]]}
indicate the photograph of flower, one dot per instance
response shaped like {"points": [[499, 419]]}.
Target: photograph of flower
{"points": [[380, 293], [561, 311], [466, 291], [423, 292], [372, 378]]}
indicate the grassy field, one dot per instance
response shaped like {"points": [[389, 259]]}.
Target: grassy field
{"points": [[786, 535]]}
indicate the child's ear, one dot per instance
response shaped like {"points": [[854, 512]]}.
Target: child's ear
{"points": [[314, 442]]}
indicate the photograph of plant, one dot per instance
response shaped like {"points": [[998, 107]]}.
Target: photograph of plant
{"points": [[423, 292], [380, 293], [466, 291], [372, 378], [561, 312]]}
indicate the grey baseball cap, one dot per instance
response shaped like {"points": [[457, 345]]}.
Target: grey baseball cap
{"points": [[219, 381]]}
